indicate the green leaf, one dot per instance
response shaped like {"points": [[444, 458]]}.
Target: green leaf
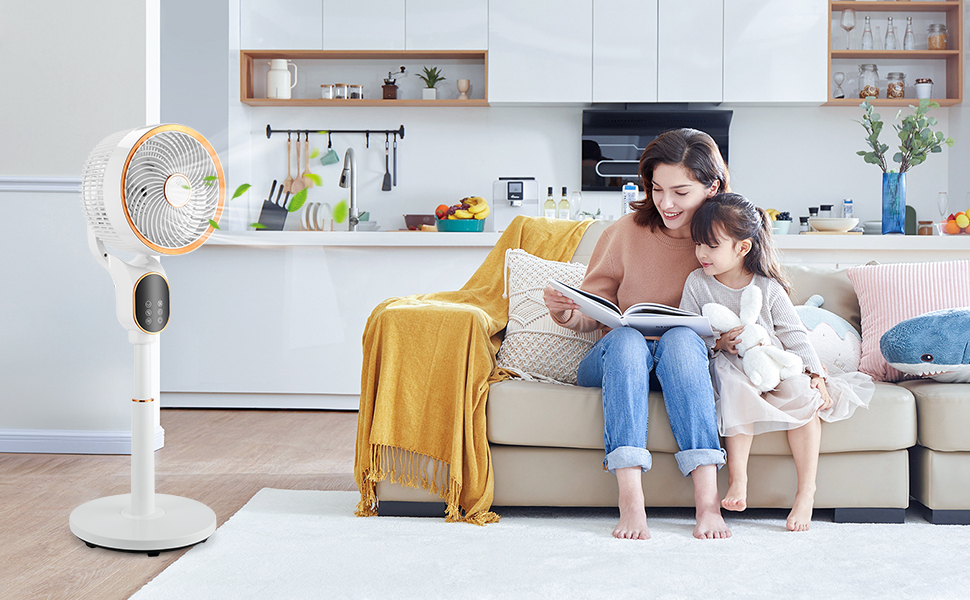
{"points": [[898, 157], [257, 226], [186, 187], [210, 178], [298, 200], [323, 132], [936, 149], [316, 179], [213, 224], [315, 153], [340, 212], [240, 191]]}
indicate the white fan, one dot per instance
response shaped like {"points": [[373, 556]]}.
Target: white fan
{"points": [[151, 191]]}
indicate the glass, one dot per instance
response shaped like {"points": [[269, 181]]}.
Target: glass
{"points": [[867, 36], [340, 91], [909, 38], [942, 204], [868, 80], [847, 23], [575, 202], [839, 79], [890, 35]]}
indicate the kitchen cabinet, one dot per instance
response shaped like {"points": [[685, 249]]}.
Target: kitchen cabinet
{"points": [[446, 24], [944, 67], [775, 51], [540, 51], [291, 24], [690, 38], [363, 25], [624, 51]]}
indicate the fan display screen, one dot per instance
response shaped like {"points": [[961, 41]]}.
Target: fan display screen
{"points": [[151, 303]]}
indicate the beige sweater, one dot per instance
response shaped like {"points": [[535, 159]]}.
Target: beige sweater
{"points": [[633, 264]]}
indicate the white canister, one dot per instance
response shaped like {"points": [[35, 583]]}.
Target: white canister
{"points": [[278, 83]]}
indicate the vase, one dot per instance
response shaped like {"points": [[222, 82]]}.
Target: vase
{"points": [[429, 94], [893, 203]]}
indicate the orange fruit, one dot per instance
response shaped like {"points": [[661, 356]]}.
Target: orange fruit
{"points": [[951, 228]]}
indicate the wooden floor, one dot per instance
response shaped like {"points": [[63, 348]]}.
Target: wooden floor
{"points": [[219, 457]]}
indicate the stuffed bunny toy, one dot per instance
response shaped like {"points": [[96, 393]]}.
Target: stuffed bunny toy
{"points": [[764, 364]]}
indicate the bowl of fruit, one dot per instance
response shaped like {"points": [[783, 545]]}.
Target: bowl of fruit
{"points": [[956, 224], [467, 215]]}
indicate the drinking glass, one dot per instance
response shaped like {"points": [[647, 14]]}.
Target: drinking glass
{"points": [[942, 204], [847, 23]]}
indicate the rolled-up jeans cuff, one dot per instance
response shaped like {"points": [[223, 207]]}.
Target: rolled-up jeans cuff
{"points": [[688, 460], [628, 456]]}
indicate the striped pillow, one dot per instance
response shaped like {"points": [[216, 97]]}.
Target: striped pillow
{"points": [[892, 293]]}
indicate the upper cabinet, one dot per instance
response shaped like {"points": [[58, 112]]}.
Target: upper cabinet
{"points": [[540, 52], [363, 25], [281, 24], [624, 51], [690, 38], [446, 25], [775, 51]]}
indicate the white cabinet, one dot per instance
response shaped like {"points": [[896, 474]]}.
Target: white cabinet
{"points": [[362, 25], [775, 51], [624, 51], [280, 24], [540, 51], [690, 38], [446, 24]]}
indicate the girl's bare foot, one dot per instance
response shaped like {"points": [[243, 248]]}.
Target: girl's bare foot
{"points": [[736, 497], [800, 517], [632, 524]]}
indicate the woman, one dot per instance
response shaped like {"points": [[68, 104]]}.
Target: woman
{"points": [[646, 256]]}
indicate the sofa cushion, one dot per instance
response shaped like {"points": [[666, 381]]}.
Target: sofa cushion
{"points": [[832, 284], [528, 413], [944, 414], [535, 346]]}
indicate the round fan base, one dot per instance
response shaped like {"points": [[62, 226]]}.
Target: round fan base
{"points": [[178, 522]]}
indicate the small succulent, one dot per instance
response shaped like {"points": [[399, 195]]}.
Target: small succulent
{"points": [[431, 76]]}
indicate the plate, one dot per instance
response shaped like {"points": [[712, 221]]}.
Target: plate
{"points": [[838, 225], [461, 225]]}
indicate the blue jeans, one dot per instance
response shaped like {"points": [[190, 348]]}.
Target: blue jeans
{"points": [[621, 363]]}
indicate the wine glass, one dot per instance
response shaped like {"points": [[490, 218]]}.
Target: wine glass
{"points": [[847, 23], [942, 204]]}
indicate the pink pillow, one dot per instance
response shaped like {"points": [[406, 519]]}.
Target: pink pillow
{"points": [[892, 293]]}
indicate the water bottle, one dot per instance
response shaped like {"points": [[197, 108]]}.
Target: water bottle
{"points": [[630, 195], [847, 208]]}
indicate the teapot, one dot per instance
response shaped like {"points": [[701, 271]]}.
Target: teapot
{"points": [[278, 84]]}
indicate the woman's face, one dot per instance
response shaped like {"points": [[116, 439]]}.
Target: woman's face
{"points": [[677, 195]]}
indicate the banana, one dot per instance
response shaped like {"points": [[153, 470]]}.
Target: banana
{"points": [[462, 214], [482, 213], [772, 212], [476, 204]]}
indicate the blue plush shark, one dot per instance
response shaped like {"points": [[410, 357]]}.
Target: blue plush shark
{"points": [[934, 345]]}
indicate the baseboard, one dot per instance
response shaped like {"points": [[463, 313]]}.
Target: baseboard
{"points": [[70, 441], [70, 185], [267, 401]]}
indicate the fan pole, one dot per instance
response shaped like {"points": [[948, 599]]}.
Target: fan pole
{"points": [[142, 435]]}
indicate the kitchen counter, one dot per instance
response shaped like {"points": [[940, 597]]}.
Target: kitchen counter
{"points": [[414, 239]]}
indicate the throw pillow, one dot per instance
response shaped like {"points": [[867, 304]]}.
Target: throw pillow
{"points": [[535, 346], [838, 344], [889, 294], [934, 345]]}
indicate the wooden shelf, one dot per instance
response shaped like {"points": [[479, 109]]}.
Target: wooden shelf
{"points": [[889, 101], [893, 6], [365, 102]]}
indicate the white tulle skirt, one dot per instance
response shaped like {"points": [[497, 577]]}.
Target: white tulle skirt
{"points": [[742, 409]]}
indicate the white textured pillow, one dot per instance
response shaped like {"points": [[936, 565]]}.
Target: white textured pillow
{"points": [[535, 347]]}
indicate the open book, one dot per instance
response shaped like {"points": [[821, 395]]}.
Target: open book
{"points": [[649, 318]]}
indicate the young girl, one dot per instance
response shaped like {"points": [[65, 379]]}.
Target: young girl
{"points": [[735, 248]]}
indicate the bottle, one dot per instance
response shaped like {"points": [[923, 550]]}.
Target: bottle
{"points": [[630, 195], [890, 35], [813, 211], [847, 208], [549, 208], [867, 36], [563, 206], [909, 38], [802, 224], [825, 211]]}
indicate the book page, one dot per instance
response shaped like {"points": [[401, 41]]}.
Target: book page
{"points": [[591, 305], [652, 308]]}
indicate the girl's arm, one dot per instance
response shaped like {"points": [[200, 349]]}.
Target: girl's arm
{"points": [[789, 329]]}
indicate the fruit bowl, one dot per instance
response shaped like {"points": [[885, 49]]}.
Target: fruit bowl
{"points": [[461, 225], [952, 228]]}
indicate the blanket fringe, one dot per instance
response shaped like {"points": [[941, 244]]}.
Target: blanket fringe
{"points": [[412, 469]]}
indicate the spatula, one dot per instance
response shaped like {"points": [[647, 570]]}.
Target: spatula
{"points": [[298, 183], [387, 164], [289, 178], [307, 182]]}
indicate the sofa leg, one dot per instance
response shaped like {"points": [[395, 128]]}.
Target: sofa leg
{"points": [[870, 515], [945, 517], [400, 508]]}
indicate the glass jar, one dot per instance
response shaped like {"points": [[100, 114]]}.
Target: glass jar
{"points": [[340, 91], [896, 85], [355, 92], [925, 228], [802, 224], [825, 211], [326, 91], [868, 80], [936, 36]]}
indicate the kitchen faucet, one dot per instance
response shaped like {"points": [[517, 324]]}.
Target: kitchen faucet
{"points": [[348, 178]]}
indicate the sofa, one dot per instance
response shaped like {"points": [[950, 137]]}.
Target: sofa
{"points": [[546, 443]]}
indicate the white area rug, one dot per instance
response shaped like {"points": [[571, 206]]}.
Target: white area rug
{"points": [[306, 544]]}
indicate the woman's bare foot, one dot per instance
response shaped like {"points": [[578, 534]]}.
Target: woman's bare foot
{"points": [[736, 497], [800, 517], [710, 524], [632, 524]]}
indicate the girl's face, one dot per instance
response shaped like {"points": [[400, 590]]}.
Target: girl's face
{"points": [[677, 195], [726, 257]]}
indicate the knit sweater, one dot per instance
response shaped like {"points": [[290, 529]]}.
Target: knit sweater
{"points": [[777, 315], [632, 264]]}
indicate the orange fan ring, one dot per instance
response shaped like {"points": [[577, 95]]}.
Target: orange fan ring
{"points": [[222, 187]]}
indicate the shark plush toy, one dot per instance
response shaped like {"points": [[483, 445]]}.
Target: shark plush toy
{"points": [[935, 345], [838, 344]]}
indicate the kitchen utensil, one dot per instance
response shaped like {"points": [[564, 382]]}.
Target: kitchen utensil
{"points": [[298, 183], [387, 169], [330, 157], [307, 182], [272, 216], [834, 224], [278, 79], [395, 158], [288, 182], [416, 221]]}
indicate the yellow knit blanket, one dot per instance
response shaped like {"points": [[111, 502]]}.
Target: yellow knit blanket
{"points": [[428, 361]]}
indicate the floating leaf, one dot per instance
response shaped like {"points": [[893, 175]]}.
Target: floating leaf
{"points": [[298, 200], [257, 226], [213, 224], [316, 179], [315, 153], [240, 191], [210, 178], [341, 211]]}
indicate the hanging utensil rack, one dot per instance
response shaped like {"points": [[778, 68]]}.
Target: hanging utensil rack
{"points": [[367, 132]]}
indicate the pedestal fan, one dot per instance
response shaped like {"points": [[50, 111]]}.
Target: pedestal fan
{"points": [[149, 191]]}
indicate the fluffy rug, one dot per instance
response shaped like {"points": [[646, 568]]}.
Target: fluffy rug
{"points": [[307, 544]]}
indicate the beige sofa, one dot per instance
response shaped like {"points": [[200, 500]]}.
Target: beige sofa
{"points": [[546, 442]]}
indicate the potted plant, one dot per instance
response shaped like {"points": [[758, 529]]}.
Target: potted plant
{"points": [[431, 77], [916, 142]]}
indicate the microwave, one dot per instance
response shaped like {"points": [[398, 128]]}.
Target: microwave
{"points": [[614, 140]]}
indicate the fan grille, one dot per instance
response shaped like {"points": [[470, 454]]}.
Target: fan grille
{"points": [[93, 192]]}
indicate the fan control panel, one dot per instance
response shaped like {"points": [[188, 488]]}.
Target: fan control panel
{"points": [[151, 303]]}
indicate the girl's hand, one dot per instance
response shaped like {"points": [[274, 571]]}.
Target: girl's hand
{"points": [[729, 340], [819, 384], [555, 301]]}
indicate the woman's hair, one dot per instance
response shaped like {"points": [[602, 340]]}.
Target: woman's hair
{"points": [[693, 149], [735, 216]]}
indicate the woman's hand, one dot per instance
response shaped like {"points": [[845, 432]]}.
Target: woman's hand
{"points": [[729, 340], [819, 384], [556, 302]]}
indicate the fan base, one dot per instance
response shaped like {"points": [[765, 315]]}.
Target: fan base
{"points": [[178, 522]]}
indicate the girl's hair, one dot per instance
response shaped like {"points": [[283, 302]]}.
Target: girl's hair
{"points": [[693, 149], [735, 216]]}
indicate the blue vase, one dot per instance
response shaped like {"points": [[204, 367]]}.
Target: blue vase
{"points": [[893, 203]]}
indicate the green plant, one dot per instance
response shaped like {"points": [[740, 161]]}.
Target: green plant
{"points": [[916, 139], [431, 76]]}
